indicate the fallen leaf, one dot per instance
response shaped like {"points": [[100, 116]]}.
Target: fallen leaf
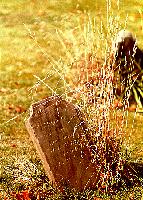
{"points": [[11, 107], [26, 195], [132, 108], [117, 104], [13, 145], [20, 109]]}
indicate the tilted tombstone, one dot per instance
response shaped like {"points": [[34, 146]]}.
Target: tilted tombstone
{"points": [[59, 133]]}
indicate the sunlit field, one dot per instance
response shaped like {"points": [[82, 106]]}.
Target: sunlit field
{"points": [[42, 46]]}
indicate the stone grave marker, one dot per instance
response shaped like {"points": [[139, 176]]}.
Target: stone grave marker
{"points": [[58, 130]]}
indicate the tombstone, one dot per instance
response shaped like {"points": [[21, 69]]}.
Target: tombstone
{"points": [[59, 133]]}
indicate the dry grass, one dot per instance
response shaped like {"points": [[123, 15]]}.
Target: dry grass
{"points": [[41, 58]]}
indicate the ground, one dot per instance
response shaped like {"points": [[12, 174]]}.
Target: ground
{"points": [[32, 35]]}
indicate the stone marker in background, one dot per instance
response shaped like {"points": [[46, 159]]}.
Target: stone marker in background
{"points": [[58, 131]]}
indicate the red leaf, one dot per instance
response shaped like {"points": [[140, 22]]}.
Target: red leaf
{"points": [[20, 109], [26, 195], [13, 145]]}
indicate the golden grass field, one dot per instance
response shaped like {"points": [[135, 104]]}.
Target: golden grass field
{"points": [[40, 40]]}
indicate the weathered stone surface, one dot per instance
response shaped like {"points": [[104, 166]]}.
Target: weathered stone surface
{"points": [[58, 131]]}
